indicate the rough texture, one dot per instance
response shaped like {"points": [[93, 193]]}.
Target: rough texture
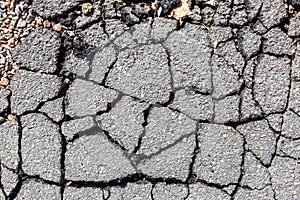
{"points": [[285, 174], [161, 28], [39, 51], [29, 89], [128, 74], [38, 190], [3, 99], [278, 42], [261, 140], [9, 180], [249, 42], [272, 83], [265, 193], [9, 138], [294, 29], [296, 65], [169, 163], [132, 191], [164, 128], [225, 71], [94, 158], [256, 176], [161, 190], [102, 61], [194, 105], [220, 155], [272, 12], [54, 109], [289, 147], [294, 102], [192, 70], [290, 126], [79, 127], [125, 130], [226, 110], [49, 9], [86, 98], [83, 193], [41, 147], [117, 99], [204, 192]]}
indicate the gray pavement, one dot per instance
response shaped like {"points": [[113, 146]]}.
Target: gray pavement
{"points": [[124, 102]]}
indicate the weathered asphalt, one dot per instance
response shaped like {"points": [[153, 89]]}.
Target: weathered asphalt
{"points": [[137, 106]]}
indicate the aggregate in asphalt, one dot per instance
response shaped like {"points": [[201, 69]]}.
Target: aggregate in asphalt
{"points": [[125, 102]]}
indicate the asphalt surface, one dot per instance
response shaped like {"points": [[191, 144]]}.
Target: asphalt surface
{"points": [[125, 104]]}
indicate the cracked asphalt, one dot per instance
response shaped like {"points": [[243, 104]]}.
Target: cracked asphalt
{"points": [[126, 103]]}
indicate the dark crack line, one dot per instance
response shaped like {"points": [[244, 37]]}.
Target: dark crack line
{"points": [[38, 178], [18, 186], [191, 176], [103, 194], [242, 171], [131, 178], [215, 185], [1, 186], [169, 67], [146, 113], [111, 105], [61, 57], [62, 162], [288, 156], [108, 71], [247, 187], [152, 189]]}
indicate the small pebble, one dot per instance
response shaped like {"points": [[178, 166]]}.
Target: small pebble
{"points": [[57, 27], [67, 80], [46, 24], [39, 20], [11, 117], [86, 8], [11, 42], [4, 81]]}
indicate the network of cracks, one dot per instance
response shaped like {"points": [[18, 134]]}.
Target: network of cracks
{"points": [[137, 106]]}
